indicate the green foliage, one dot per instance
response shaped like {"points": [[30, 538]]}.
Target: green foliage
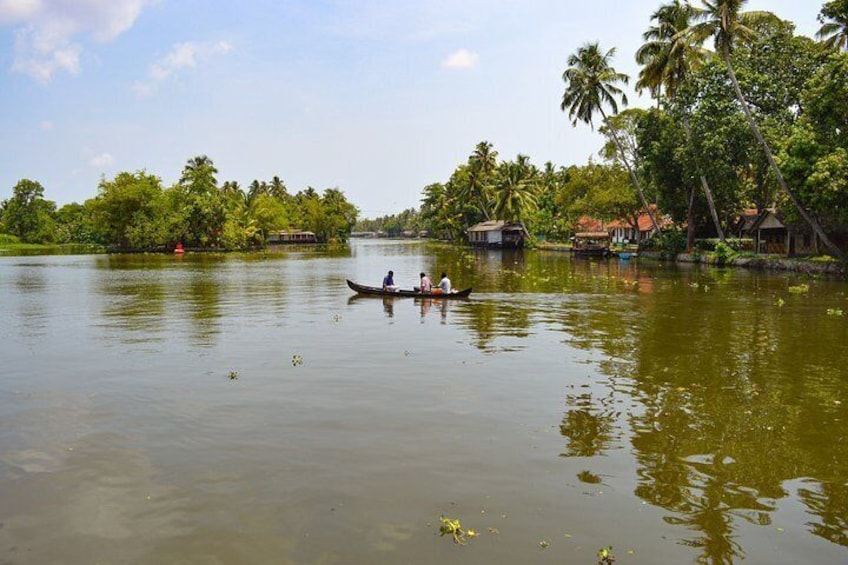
{"points": [[815, 156], [667, 242], [834, 19], [667, 163], [133, 211], [27, 215], [737, 245], [75, 223], [605, 556], [393, 224], [481, 189], [8, 239], [723, 253], [199, 208], [596, 190], [129, 210], [515, 190], [451, 527]]}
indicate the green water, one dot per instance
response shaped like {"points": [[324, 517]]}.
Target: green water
{"points": [[681, 414]]}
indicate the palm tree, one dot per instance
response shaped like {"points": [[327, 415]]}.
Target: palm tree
{"points": [[724, 21], [834, 30], [591, 84], [256, 188], [199, 174], [481, 166], [668, 57], [515, 191], [277, 189]]}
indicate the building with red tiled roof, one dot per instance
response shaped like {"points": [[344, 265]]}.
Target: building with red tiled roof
{"points": [[589, 224], [633, 230]]}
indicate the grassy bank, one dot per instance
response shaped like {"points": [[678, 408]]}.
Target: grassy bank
{"points": [[810, 265], [17, 248]]}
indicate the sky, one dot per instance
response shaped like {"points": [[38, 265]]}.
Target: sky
{"points": [[377, 98]]}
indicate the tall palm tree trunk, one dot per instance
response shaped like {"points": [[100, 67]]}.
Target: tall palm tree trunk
{"points": [[835, 251], [704, 184], [690, 222], [635, 180]]}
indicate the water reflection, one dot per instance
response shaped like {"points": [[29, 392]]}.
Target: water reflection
{"points": [[427, 307], [732, 411], [389, 306], [588, 425], [442, 306], [31, 283], [134, 305], [715, 396], [828, 502]]}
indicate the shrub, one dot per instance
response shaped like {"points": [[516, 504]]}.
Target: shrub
{"points": [[735, 243], [669, 242], [723, 253]]}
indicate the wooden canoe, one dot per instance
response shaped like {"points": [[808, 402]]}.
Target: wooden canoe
{"points": [[378, 291]]}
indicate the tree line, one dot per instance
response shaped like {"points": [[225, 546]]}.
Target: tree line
{"points": [[760, 121], [135, 211]]}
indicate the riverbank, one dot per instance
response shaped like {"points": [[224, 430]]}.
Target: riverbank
{"points": [[11, 249], [810, 266], [761, 262]]}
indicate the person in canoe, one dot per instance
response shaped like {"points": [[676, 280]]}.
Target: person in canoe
{"points": [[444, 285], [426, 285], [389, 281]]}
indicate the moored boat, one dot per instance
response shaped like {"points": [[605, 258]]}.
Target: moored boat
{"points": [[591, 244], [379, 291]]}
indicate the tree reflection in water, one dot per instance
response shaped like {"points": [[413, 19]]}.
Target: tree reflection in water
{"points": [[590, 430], [829, 503]]}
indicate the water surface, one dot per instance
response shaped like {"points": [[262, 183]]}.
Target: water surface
{"points": [[678, 413]]}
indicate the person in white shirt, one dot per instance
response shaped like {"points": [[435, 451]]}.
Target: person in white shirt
{"points": [[445, 284]]}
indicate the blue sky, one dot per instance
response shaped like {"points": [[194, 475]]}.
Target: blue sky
{"points": [[375, 97]]}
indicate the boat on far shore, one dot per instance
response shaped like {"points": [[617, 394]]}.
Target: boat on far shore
{"points": [[591, 244]]}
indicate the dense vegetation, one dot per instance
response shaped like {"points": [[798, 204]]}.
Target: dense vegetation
{"points": [[761, 121], [134, 211]]}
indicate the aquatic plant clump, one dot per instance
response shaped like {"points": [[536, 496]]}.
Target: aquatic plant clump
{"points": [[452, 527]]}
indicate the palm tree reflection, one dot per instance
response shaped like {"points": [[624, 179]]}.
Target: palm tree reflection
{"points": [[589, 430]]}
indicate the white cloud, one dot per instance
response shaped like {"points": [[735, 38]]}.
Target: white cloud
{"points": [[102, 160], [182, 56], [462, 59], [16, 11], [50, 33]]}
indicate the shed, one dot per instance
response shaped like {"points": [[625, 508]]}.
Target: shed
{"points": [[497, 234]]}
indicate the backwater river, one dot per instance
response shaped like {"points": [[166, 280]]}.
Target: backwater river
{"points": [[251, 409]]}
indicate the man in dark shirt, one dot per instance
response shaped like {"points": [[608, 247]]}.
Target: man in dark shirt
{"points": [[389, 281]]}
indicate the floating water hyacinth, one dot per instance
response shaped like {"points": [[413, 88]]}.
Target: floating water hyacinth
{"points": [[233, 375], [297, 360], [799, 289], [452, 527], [605, 556]]}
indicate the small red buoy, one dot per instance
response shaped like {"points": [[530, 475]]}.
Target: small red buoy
{"points": [[179, 249]]}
